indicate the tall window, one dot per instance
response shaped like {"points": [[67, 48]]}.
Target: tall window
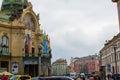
{"points": [[5, 44], [33, 51]]}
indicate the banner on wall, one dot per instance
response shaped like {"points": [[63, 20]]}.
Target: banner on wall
{"points": [[27, 44], [45, 46], [14, 67]]}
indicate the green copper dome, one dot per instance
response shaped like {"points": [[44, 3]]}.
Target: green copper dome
{"points": [[8, 6], [13, 8]]}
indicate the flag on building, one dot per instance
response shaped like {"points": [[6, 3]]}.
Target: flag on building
{"points": [[28, 41], [27, 44], [45, 46]]}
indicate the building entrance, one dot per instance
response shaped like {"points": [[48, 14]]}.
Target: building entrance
{"points": [[31, 69]]}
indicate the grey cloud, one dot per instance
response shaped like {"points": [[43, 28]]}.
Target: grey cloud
{"points": [[77, 27]]}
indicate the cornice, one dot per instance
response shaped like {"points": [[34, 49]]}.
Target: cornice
{"points": [[114, 39], [17, 23], [5, 23], [111, 42], [14, 24]]}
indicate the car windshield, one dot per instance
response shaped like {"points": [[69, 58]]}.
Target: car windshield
{"points": [[13, 78], [21, 78], [56, 78]]}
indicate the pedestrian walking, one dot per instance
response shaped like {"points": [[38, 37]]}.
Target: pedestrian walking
{"points": [[109, 76]]}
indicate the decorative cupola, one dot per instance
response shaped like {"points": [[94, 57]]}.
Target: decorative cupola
{"points": [[13, 8]]}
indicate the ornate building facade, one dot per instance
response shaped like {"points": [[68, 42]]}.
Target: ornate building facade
{"points": [[88, 64], [110, 53], [59, 67], [24, 47]]}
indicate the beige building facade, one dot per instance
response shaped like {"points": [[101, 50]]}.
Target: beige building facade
{"points": [[59, 67], [110, 55], [24, 47]]}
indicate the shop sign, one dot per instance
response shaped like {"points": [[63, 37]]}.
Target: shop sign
{"points": [[30, 62]]}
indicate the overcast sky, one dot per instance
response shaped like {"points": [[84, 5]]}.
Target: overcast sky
{"points": [[77, 28]]}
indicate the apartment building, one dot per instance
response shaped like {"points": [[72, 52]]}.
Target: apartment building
{"points": [[59, 67], [110, 55]]}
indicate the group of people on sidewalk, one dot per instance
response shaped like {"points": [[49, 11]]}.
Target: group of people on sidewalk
{"points": [[108, 77], [97, 77], [90, 78]]}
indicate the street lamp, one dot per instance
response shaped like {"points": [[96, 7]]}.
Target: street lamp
{"points": [[115, 55], [39, 59]]}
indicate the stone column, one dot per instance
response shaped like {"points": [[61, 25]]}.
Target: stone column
{"points": [[118, 8]]}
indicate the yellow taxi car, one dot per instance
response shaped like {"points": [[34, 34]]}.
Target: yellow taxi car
{"points": [[21, 77]]}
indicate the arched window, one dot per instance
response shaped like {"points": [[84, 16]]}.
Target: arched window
{"points": [[5, 44], [29, 22]]}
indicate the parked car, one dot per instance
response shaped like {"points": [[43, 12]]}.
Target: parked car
{"points": [[35, 78], [20, 77], [52, 78], [82, 76], [88, 75]]}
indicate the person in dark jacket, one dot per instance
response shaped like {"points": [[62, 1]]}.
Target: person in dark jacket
{"points": [[96, 77], [109, 76]]}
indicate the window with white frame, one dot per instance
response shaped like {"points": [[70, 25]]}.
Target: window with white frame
{"points": [[5, 44]]}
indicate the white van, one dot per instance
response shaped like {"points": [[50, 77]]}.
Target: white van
{"points": [[82, 75]]}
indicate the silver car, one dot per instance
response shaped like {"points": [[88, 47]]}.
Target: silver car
{"points": [[52, 78]]}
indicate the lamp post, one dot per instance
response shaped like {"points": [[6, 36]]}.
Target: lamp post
{"points": [[39, 60], [115, 47], [39, 65]]}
